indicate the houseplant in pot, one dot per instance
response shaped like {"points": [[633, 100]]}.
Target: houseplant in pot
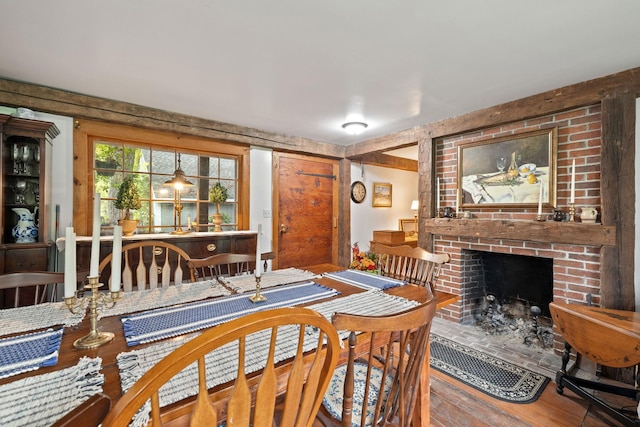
{"points": [[217, 195], [128, 199]]}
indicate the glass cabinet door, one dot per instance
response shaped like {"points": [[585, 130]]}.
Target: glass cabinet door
{"points": [[24, 191]]}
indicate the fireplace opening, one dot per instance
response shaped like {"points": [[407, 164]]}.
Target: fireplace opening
{"points": [[516, 294], [518, 277]]}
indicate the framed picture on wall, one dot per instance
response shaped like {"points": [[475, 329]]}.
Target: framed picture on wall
{"points": [[513, 171], [381, 195]]}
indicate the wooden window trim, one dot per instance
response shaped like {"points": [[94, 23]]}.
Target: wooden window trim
{"points": [[86, 130]]}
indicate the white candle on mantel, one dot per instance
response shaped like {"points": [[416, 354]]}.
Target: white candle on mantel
{"points": [[437, 195], [116, 259], [573, 182], [258, 256], [457, 202], [540, 200], [70, 280], [95, 240]]}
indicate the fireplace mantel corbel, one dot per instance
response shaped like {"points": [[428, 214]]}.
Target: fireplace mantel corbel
{"points": [[532, 231]]}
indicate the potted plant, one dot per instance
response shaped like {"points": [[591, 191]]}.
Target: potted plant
{"points": [[128, 199], [217, 195]]}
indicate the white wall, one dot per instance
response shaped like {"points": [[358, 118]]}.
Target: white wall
{"points": [[260, 179], [61, 176], [365, 218]]}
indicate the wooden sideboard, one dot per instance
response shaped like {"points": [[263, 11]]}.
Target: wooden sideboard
{"points": [[197, 245]]}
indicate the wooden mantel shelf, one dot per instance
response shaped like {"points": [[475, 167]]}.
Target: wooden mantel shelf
{"points": [[532, 231]]}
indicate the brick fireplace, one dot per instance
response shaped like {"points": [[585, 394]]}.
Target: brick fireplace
{"points": [[574, 248], [576, 270]]}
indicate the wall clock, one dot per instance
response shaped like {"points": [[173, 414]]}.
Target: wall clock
{"points": [[358, 191]]}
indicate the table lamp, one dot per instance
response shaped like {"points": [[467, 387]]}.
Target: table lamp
{"points": [[414, 208]]}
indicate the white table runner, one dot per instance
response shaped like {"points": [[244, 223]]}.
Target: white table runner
{"points": [[247, 282]]}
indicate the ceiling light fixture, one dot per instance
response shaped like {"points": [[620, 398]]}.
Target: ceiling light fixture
{"points": [[178, 182], [355, 128]]}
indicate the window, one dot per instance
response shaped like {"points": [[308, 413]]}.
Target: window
{"points": [[104, 153], [152, 167]]}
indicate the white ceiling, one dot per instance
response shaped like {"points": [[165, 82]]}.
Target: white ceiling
{"points": [[303, 67]]}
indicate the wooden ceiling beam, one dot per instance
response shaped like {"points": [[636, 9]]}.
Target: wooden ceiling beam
{"points": [[56, 101], [387, 161]]}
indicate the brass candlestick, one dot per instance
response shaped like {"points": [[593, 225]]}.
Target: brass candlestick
{"points": [[257, 297], [95, 338], [572, 212]]}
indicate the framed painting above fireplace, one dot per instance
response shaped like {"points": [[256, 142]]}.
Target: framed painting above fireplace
{"points": [[516, 171]]}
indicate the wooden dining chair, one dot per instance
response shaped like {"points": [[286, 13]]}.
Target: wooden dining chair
{"points": [[148, 264], [221, 265], [265, 257], [36, 287], [296, 389], [412, 265], [89, 413], [377, 388]]}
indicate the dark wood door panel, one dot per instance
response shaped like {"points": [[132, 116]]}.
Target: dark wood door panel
{"points": [[305, 195]]}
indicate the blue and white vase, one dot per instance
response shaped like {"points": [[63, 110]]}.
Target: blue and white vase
{"points": [[26, 230]]}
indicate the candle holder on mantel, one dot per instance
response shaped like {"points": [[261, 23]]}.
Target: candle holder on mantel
{"points": [[257, 297], [95, 338], [572, 212]]}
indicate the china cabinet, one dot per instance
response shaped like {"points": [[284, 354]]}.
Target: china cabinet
{"points": [[24, 199]]}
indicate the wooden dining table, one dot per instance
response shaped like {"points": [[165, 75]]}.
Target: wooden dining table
{"points": [[69, 355]]}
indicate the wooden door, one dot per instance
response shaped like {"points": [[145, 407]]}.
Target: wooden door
{"points": [[305, 210]]}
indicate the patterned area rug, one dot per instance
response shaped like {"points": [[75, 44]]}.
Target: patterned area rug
{"points": [[493, 376]]}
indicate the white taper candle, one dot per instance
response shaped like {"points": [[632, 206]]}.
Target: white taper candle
{"points": [[540, 200], [573, 182], [258, 255], [70, 281], [95, 240], [437, 195], [116, 259]]}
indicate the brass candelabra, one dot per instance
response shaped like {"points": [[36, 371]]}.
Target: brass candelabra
{"points": [[95, 338], [257, 297], [572, 212]]}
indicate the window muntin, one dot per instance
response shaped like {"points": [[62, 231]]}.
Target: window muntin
{"points": [[152, 167]]}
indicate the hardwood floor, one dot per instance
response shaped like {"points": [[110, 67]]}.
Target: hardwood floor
{"points": [[455, 404]]}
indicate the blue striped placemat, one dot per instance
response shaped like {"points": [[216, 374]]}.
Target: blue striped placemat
{"points": [[29, 352], [154, 325], [364, 280]]}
